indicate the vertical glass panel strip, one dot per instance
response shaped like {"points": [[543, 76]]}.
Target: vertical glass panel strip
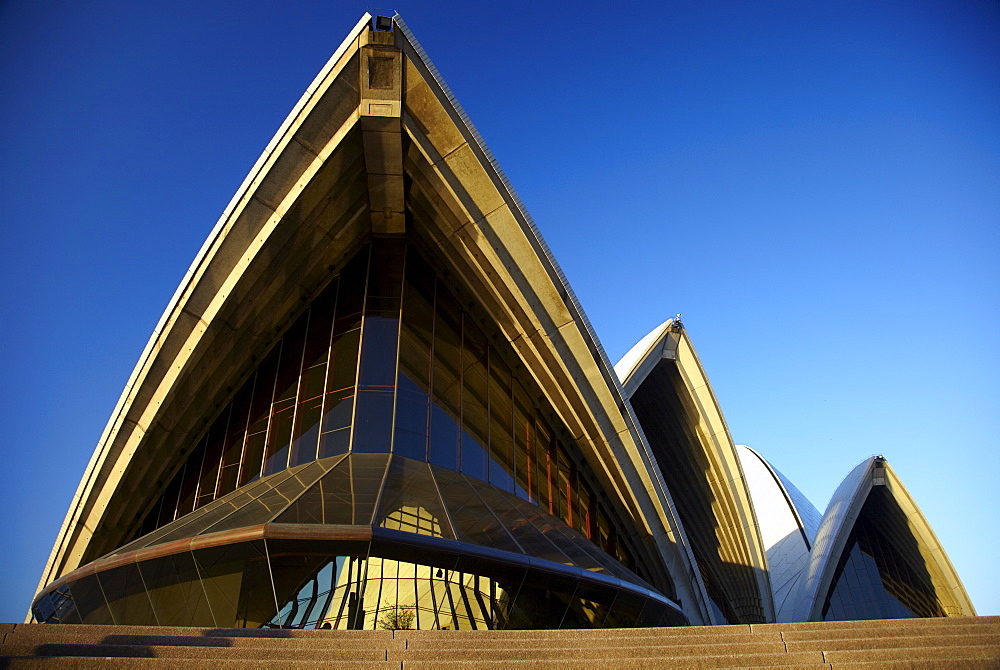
{"points": [[562, 479], [524, 466], [232, 454], [446, 394], [338, 403], [189, 485], [475, 420], [170, 495], [216, 440], [342, 370], [379, 347], [260, 413], [416, 335], [542, 456], [501, 425], [367, 475], [305, 438], [279, 433]]}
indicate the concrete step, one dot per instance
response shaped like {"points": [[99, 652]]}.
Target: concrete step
{"points": [[893, 642], [94, 637], [85, 663], [584, 653], [882, 623], [951, 643], [769, 661], [910, 631], [445, 642], [69, 629], [204, 653], [912, 654], [917, 665]]}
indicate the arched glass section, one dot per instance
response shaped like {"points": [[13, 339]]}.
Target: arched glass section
{"points": [[389, 359], [361, 541], [292, 584]]}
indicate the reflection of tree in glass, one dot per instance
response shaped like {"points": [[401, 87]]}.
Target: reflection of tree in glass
{"points": [[395, 617]]}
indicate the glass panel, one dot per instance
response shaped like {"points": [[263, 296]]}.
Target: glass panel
{"points": [[589, 607], [209, 515], [473, 521], [269, 502], [562, 479], [279, 434], [169, 507], [410, 500], [501, 425], [524, 466], [446, 381], [237, 584], [189, 482], [308, 413], [380, 340], [260, 414], [543, 467], [514, 513], [413, 380], [128, 601], [91, 606], [475, 421], [175, 591], [554, 529], [215, 439], [338, 405], [544, 597], [345, 495], [236, 435]]}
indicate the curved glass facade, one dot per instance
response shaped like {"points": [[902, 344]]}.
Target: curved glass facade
{"points": [[361, 541], [282, 583], [388, 360]]}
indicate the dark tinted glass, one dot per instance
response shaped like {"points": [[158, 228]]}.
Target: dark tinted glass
{"points": [[472, 519], [446, 394], [475, 420]]}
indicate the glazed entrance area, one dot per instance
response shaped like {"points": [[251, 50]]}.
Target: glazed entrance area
{"points": [[361, 541]]}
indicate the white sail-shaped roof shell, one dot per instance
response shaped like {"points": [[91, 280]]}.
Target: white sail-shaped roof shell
{"points": [[780, 510], [839, 519]]}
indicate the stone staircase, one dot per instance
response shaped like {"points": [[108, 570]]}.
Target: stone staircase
{"points": [[972, 642]]}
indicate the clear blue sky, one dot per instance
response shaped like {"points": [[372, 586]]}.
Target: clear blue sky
{"points": [[814, 185]]}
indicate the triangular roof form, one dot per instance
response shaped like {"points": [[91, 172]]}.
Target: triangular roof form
{"points": [[377, 145], [872, 491], [681, 419]]}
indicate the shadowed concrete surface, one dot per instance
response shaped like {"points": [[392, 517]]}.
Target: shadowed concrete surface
{"points": [[961, 642]]}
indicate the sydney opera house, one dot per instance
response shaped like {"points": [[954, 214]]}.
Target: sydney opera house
{"points": [[375, 402]]}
